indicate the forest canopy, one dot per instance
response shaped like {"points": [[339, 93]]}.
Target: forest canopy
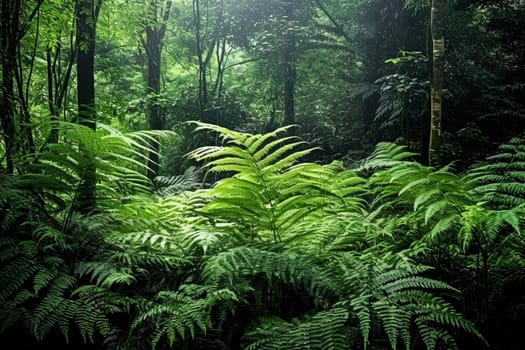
{"points": [[271, 174]]}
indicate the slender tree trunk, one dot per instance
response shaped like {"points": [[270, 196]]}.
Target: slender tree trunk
{"points": [[9, 30], [289, 88], [23, 85], [220, 55], [155, 30], [86, 34], [405, 122], [204, 55], [57, 85], [15, 21], [203, 88], [438, 57], [87, 14], [290, 70]]}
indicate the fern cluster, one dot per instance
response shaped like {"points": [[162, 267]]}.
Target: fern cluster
{"points": [[276, 253], [37, 291]]}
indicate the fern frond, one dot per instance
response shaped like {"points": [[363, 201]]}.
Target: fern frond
{"points": [[52, 307], [119, 160], [92, 308], [323, 330], [18, 266], [104, 274], [269, 191], [233, 269], [500, 180], [384, 156], [176, 315], [169, 186], [399, 297]]}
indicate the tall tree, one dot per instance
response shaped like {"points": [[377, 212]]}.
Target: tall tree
{"points": [[9, 25], [61, 55], [155, 27], [16, 20], [86, 14], [275, 31], [210, 41], [438, 56]]}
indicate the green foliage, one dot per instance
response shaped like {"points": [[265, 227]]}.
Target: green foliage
{"points": [[235, 268], [323, 330], [500, 181], [176, 314], [17, 204], [62, 167], [279, 245], [398, 297], [40, 289], [348, 265], [268, 188], [173, 185], [37, 293]]}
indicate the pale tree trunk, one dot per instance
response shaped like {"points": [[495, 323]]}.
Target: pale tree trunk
{"points": [[289, 85], [203, 84], [438, 58], [155, 30], [290, 69]]}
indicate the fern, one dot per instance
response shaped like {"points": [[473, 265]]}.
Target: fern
{"points": [[323, 330], [37, 287], [18, 267], [251, 191], [386, 155], [169, 186], [235, 268], [175, 315], [269, 190], [93, 308], [37, 293], [399, 298], [17, 205], [500, 181], [119, 159]]}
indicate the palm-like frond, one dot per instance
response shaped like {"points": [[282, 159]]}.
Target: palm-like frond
{"points": [[385, 155], [119, 160], [500, 181], [269, 191]]}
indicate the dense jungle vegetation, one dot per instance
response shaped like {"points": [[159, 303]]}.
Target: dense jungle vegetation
{"points": [[262, 174]]}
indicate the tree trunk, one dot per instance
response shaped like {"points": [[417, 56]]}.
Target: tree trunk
{"points": [[290, 70], [289, 87], [17, 134], [9, 29], [57, 85], [203, 86], [154, 35], [438, 56], [87, 14]]}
